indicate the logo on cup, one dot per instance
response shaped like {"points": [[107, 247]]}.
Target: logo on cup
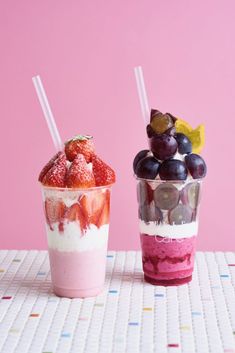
{"points": [[167, 240]]}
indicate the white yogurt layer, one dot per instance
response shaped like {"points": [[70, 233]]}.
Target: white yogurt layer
{"points": [[175, 231], [71, 239]]}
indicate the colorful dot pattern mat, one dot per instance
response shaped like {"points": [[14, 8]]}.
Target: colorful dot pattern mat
{"points": [[128, 316]]}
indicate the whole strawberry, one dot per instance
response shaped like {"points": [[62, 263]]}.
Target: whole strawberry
{"points": [[82, 144], [104, 174], [48, 166], [79, 175], [55, 176]]}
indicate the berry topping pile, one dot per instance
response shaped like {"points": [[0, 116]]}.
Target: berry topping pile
{"points": [[174, 150], [77, 166]]}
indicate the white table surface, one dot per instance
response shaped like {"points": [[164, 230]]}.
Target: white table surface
{"points": [[129, 316]]}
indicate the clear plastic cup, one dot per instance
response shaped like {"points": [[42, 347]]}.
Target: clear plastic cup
{"points": [[168, 223], [77, 227]]}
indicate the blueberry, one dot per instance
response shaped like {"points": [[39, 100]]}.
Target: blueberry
{"points": [[173, 169], [196, 165], [147, 168], [140, 155], [184, 144]]}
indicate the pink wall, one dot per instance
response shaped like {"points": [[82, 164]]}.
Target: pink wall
{"points": [[85, 52]]}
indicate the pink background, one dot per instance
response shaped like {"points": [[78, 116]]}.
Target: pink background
{"points": [[85, 52]]}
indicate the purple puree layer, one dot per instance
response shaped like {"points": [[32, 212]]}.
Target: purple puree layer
{"points": [[167, 261]]}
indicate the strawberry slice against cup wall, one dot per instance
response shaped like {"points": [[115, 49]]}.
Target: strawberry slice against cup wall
{"points": [[169, 176], [76, 187]]}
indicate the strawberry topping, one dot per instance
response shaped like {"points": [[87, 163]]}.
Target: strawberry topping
{"points": [[104, 175], [92, 205], [80, 144], [48, 166], [55, 176], [79, 175]]}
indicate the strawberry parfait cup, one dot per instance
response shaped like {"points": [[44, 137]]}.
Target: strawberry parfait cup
{"points": [[76, 186]]}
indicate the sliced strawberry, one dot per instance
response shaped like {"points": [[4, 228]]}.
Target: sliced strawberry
{"points": [[104, 175], [79, 175], [104, 216], [54, 211], [75, 213], [80, 144], [56, 174], [92, 205], [48, 166]]}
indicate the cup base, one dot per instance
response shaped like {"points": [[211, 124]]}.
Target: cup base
{"points": [[168, 282], [77, 293]]}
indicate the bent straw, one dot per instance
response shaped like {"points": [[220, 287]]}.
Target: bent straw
{"points": [[47, 112], [142, 94]]}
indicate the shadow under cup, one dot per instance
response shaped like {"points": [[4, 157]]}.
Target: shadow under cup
{"points": [[77, 226], [168, 223]]}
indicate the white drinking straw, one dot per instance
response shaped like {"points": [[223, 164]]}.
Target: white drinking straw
{"points": [[142, 94], [47, 112]]}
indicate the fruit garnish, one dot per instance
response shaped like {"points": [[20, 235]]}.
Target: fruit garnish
{"points": [[92, 205], [76, 214], [82, 144], [163, 146], [184, 143], [54, 211], [166, 196], [140, 155], [161, 122], [55, 176], [180, 214], [173, 169], [190, 194], [196, 165], [104, 174], [147, 168], [144, 193], [197, 137], [150, 213], [79, 175], [48, 166], [183, 127]]}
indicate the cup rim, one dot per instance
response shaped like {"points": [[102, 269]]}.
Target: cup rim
{"points": [[169, 181], [44, 187]]}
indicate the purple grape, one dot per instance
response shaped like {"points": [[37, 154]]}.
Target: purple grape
{"points": [[144, 193], [166, 196], [184, 144], [173, 169], [150, 213], [147, 168], [190, 195], [196, 165], [163, 146], [140, 155], [150, 131], [171, 131], [181, 214]]}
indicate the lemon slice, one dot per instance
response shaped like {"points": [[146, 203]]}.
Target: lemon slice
{"points": [[197, 137], [183, 127]]}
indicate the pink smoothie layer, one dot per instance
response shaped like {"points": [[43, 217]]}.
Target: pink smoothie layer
{"points": [[77, 274], [167, 261]]}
